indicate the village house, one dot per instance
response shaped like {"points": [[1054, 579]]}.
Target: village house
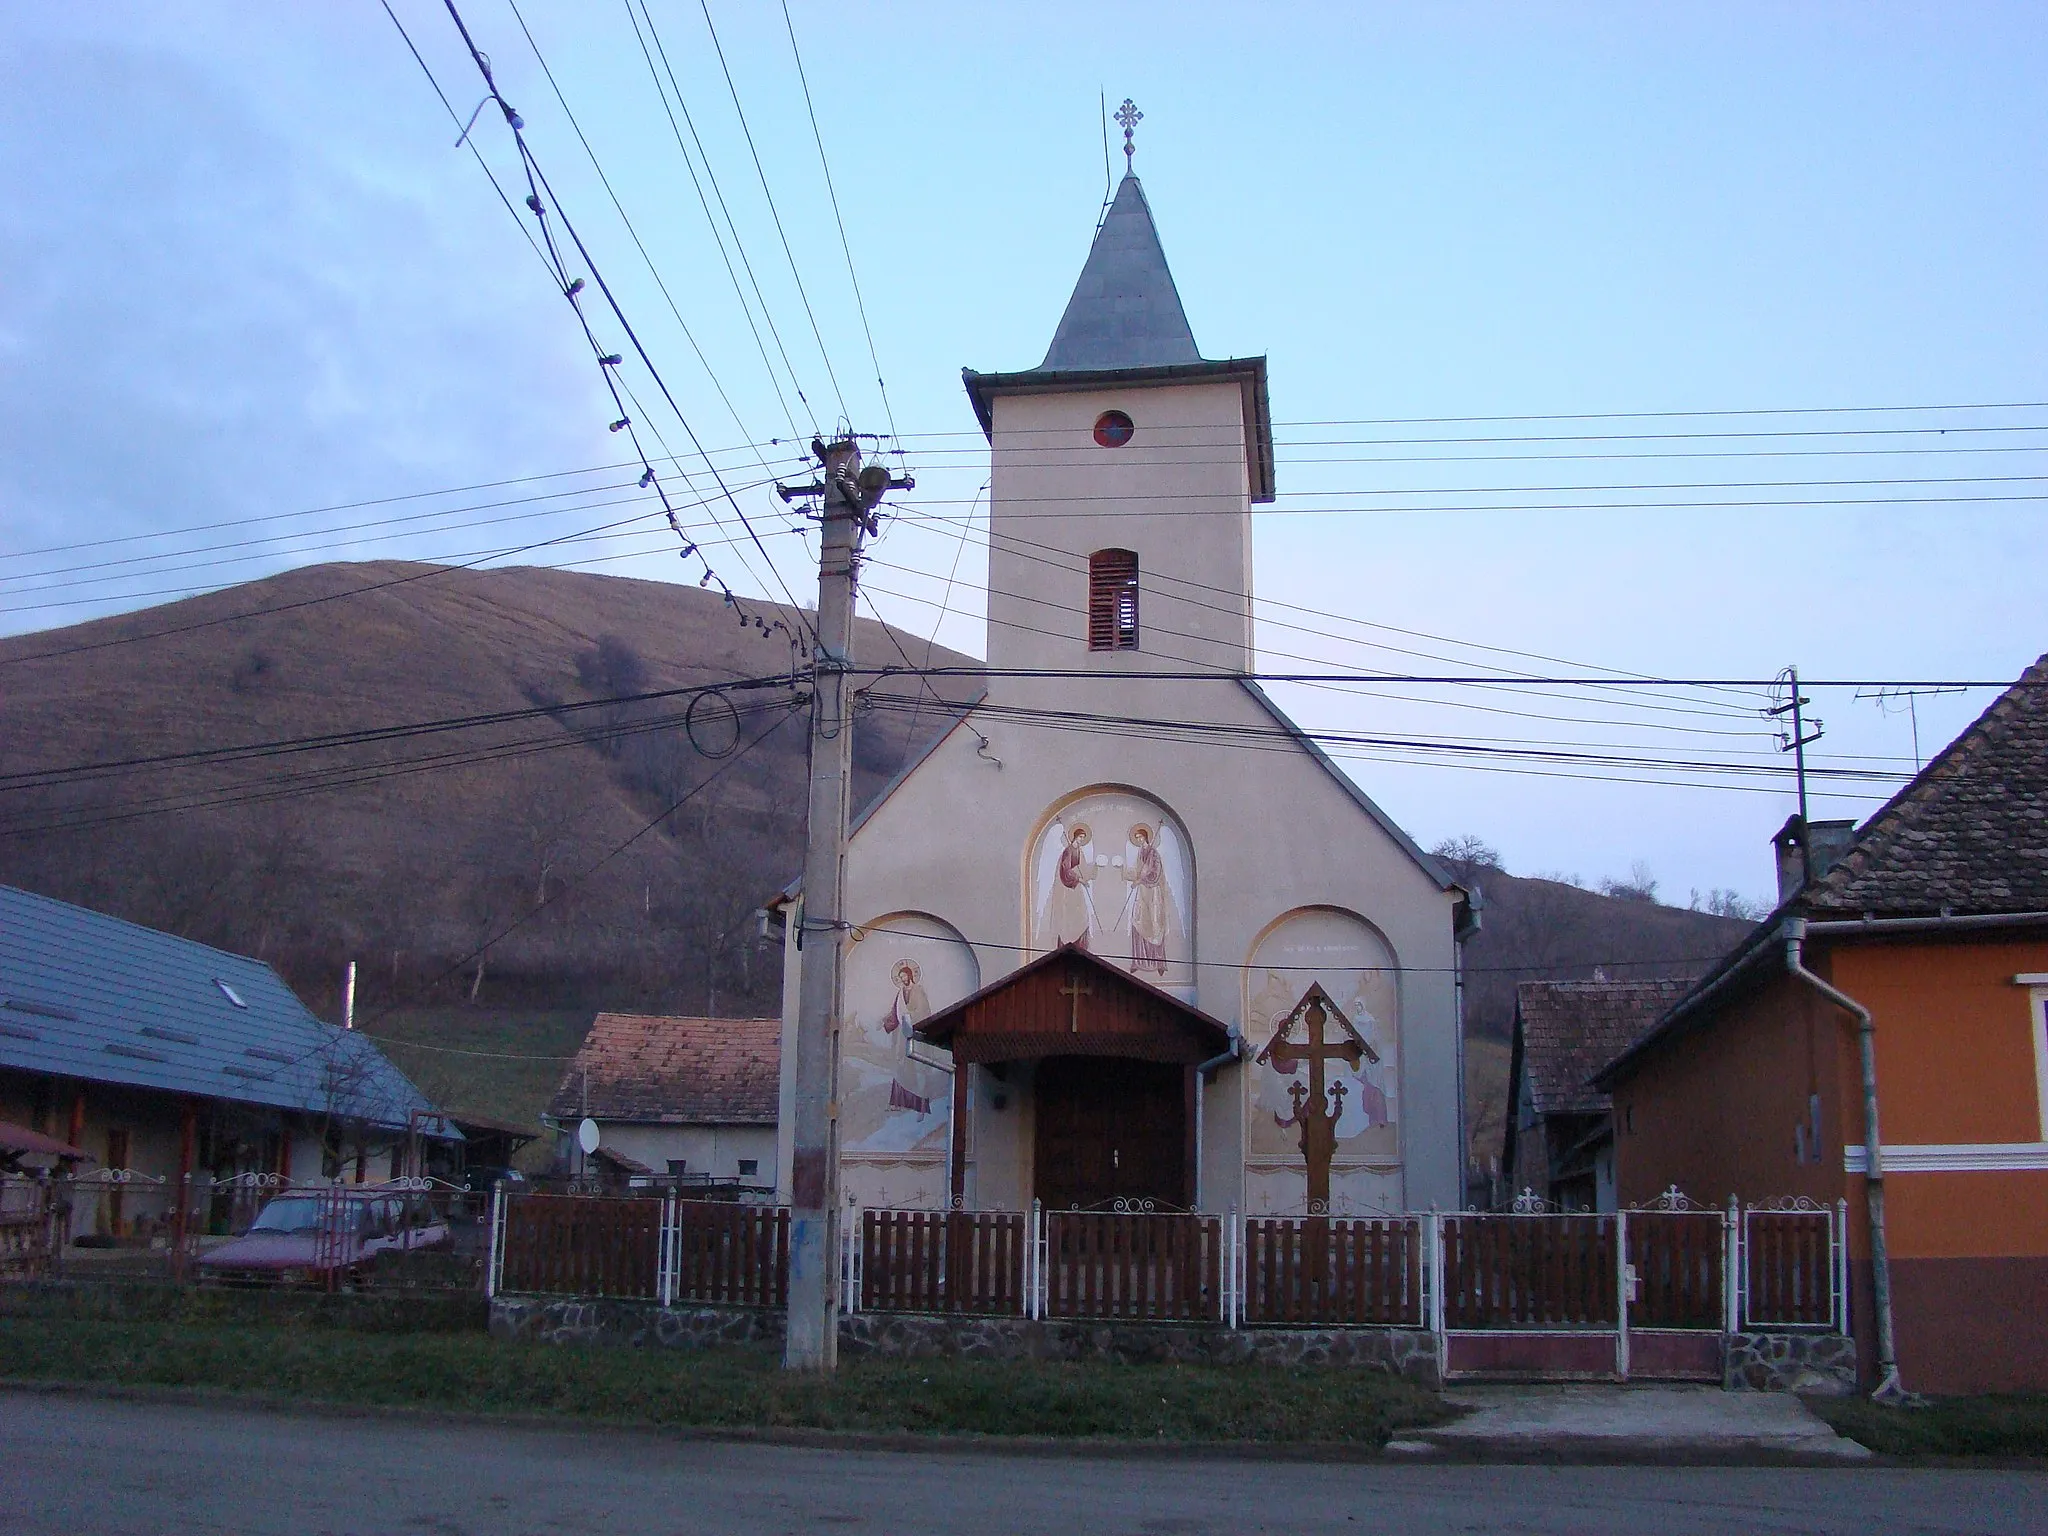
{"points": [[1124, 932], [170, 1062], [682, 1100], [1880, 1039], [1559, 1142]]}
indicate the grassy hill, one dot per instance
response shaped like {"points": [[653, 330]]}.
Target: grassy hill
{"points": [[410, 853]]}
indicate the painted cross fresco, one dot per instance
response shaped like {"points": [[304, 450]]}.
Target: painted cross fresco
{"points": [[1319, 1104]]}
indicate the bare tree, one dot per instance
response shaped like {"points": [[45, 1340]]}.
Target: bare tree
{"points": [[1467, 857], [1641, 885]]}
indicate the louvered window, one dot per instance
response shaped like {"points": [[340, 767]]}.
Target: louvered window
{"points": [[1113, 600]]}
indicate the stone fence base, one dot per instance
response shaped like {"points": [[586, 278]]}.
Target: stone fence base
{"points": [[1791, 1362], [1406, 1352]]}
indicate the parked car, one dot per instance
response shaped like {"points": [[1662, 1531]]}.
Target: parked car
{"points": [[482, 1180], [286, 1245]]}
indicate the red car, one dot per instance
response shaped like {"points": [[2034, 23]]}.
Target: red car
{"points": [[286, 1245]]}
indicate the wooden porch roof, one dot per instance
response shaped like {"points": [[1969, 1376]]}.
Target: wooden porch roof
{"points": [[1073, 1003]]}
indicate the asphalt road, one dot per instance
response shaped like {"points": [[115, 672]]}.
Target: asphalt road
{"points": [[78, 1464]]}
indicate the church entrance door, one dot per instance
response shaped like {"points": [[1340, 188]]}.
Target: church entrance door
{"points": [[1108, 1127]]}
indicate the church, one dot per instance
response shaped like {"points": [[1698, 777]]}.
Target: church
{"points": [[1124, 935]]}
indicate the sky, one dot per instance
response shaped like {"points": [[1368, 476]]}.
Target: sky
{"points": [[256, 293]]}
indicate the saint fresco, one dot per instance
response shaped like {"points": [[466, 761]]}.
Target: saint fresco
{"points": [[1355, 968], [1111, 871], [896, 1093]]}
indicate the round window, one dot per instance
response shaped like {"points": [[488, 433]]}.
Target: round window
{"points": [[1113, 429]]}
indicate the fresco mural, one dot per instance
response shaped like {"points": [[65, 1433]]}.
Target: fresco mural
{"points": [[895, 1093], [1351, 961], [1112, 871]]}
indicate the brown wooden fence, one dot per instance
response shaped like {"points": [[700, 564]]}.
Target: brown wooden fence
{"points": [[732, 1254], [943, 1261], [1681, 1269], [580, 1245], [1113, 1265], [1529, 1272], [1322, 1271], [1789, 1261]]}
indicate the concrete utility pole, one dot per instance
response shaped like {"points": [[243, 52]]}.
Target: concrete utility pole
{"points": [[1796, 743], [849, 495]]}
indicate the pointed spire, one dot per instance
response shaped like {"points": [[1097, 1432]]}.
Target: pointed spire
{"points": [[1125, 312]]}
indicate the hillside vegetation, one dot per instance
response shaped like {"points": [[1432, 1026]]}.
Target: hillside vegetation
{"points": [[410, 853]]}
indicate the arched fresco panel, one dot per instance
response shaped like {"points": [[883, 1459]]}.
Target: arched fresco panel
{"points": [[1356, 968], [895, 1094], [1112, 869]]}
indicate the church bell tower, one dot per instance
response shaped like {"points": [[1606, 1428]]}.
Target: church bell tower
{"points": [[1124, 467]]}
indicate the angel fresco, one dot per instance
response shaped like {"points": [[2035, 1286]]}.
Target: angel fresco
{"points": [[1150, 904], [1111, 871], [1070, 905]]}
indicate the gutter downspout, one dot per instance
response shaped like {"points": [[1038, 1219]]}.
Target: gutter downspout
{"points": [[1889, 1387], [1233, 1051]]}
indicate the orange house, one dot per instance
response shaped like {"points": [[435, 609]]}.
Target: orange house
{"points": [[1891, 1015]]}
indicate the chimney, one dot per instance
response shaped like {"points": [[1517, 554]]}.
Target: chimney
{"points": [[1829, 840]]}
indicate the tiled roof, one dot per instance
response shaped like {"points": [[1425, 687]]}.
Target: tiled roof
{"points": [[1969, 835], [648, 1068], [87, 996], [1571, 1029]]}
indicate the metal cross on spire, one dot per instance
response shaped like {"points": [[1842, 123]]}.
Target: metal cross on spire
{"points": [[1129, 115]]}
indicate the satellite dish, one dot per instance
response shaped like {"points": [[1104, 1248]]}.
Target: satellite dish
{"points": [[586, 1136]]}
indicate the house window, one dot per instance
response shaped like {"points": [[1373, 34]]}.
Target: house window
{"points": [[2037, 1022], [677, 1167], [749, 1166], [1113, 600]]}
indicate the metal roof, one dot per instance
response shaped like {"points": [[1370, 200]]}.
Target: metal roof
{"points": [[87, 996], [1124, 325], [1125, 311]]}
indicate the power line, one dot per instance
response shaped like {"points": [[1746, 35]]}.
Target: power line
{"points": [[773, 212], [1113, 726], [1012, 504], [567, 886], [1047, 552], [289, 785], [276, 608], [653, 271], [537, 182], [712, 176], [860, 303], [286, 745]]}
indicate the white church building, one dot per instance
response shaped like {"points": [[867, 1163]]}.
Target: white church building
{"points": [[1089, 921]]}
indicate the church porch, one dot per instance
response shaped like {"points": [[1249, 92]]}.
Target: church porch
{"points": [[1077, 1086]]}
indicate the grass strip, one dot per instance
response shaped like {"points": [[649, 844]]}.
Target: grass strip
{"points": [[1947, 1426], [728, 1388]]}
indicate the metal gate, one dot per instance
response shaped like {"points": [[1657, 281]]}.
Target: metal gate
{"points": [[1641, 1294]]}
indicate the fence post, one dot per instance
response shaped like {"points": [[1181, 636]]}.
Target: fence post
{"points": [[1622, 1275], [664, 1251], [1034, 1255], [849, 1248], [494, 1265], [1233, 1278], [1731, 1267], [1838, 1238], [1434, 1272]]}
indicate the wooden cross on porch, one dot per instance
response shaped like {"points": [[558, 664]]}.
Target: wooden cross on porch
{"points": [[1319, 1105], [1073, 992]]}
